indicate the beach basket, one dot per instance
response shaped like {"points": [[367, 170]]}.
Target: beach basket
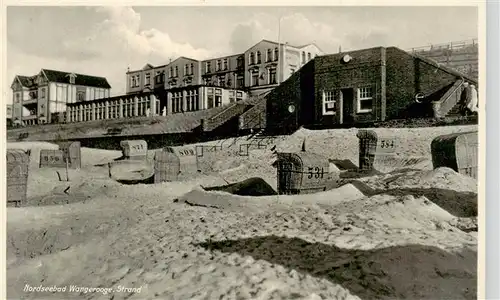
{"points": [[17, 176], [72, 152], [458, 151], [52, 159], [134, 149], [188, 159], [301, 173], [375, 150], [166, 166]]}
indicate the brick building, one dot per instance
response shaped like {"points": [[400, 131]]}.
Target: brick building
{"points": [[363, 86]]}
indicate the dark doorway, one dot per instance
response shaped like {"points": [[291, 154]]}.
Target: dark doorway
{"points": [[210, 101], [347, 105]]}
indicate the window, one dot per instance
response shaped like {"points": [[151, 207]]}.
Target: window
{"points": [[225, 64], [231, 97], [147, 79], [222, 81], [240, 62], [192, 101], [240, 81], [137, 80], [207, 67], [132, 81], [329, 103], [18, 98], [239, 96], [192, 69], [276, 54], [308, 55], [171, 72], [269, 55], [81, 96], [251, 59], [71, 79], [258, 57], [177, 102], [218, 68], [43, 93], [365, 99], [303, 56], [186, 69], [176, 73], [255, 78], [159, 77], [272, 76], [218, 98]]}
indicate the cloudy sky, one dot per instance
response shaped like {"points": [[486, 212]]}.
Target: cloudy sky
{"points": [[104, 41]]}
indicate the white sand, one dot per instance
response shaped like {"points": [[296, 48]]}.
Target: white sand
{"points": [[137, 235]]}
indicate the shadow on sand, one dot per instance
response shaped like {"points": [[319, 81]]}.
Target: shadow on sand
{"points": [[459, 204], [401, 272]]}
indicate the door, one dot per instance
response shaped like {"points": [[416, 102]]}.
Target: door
{"points": [[210, 101], [347, 98]]}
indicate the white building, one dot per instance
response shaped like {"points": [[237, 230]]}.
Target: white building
{"points": [[46, 94]]}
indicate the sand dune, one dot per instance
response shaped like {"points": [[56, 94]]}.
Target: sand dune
{"points": [[401, 235]]}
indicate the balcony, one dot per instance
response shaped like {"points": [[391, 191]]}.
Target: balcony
{"points": [[30, 101], [30, 117]]}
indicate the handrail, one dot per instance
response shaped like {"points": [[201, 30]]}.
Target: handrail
{"points": [[451, 45], [442, 101], [448, 97]]}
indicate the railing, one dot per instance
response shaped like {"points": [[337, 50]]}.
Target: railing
{"points": [[451, 46], [221, 117], [444, 106]]}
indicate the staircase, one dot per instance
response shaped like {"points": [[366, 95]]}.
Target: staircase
{"points": [[255, 117], [233, 110], [455, 111], [448, 103]]}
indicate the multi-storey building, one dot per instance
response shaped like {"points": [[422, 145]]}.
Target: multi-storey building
{"points": [[268, 63], [46, 95], [186, 84]]}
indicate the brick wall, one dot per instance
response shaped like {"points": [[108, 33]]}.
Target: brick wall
{"points": [[407, 76], [331, 74], [464, 59], [288, 93]]}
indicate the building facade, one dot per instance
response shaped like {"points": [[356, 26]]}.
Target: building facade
{"points": [[128, 106], [186, 84], [47, 94], [268, 63], [363, 86]]}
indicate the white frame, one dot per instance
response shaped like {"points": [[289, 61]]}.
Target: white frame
{"points": [[359, 99], [333, 99]]}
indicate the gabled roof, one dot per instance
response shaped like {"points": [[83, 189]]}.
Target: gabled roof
{"points": [[80, 79], [183, 57], [148, 66], [264, 40], [310, 44], [26, 81]]}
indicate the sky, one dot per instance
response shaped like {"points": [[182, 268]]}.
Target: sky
{"points": [[105, 41]]}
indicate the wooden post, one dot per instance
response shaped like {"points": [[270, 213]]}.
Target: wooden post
{"points": [[66, 159]]}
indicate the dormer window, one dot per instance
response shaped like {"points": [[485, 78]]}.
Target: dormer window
{"points": [[72, 77]]}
